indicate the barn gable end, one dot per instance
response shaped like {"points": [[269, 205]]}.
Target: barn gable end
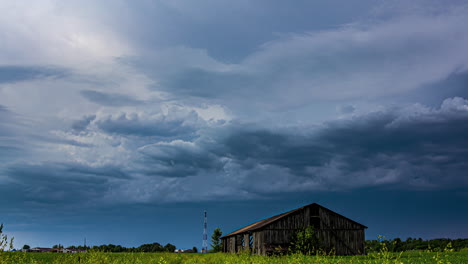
{"points": [[335, 232]]}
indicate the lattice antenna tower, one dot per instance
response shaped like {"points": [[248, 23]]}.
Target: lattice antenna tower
{"points": [[205, 236]]}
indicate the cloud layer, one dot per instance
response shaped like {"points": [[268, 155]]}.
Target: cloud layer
{"points": [[92, 98], [358, 60], [412, 147]]}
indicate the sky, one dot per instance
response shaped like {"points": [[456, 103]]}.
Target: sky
{"points": [[122, 121]]}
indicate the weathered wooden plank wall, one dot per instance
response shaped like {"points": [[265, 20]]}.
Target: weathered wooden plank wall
{"points": [[340, 234], [335, 232]]}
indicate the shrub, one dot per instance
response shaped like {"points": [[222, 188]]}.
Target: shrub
{"points": [[305, 241]]}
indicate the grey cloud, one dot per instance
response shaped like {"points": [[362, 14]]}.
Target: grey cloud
{"points": [[204, 83], [178, 159], [83, 123], [62, 141], [11, 129], [9, 73], [3, 108], [454, 85], [173, 125], [6, 121], [62, 183], [197, 25], [347, 109], [7, 151], [413, 147], [250, 148], [110, 99], [354, 61]]}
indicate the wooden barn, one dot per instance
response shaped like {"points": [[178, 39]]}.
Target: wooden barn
{"points": [[334, 231]]}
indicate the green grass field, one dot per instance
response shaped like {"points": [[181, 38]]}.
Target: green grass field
{"points": [[169, 258]]}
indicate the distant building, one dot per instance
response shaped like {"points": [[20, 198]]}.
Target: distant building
{"points": [[72, 250], [184, 251], [39, 249], [334, 231]]}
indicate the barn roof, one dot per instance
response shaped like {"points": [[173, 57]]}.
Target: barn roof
{"points": [[267, 221]]}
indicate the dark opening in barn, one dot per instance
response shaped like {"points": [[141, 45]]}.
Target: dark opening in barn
{"points": [[335, 232]]}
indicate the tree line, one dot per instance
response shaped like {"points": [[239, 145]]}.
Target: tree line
{"points": [[399, 245], [153, 247]]}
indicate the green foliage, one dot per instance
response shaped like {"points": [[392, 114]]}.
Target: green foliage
{"points": [[216, 240], [445, 257], [305, 241], [147, 248], [195, 250], [169, 248], [26, 247], [4, 242], [398, 245]]}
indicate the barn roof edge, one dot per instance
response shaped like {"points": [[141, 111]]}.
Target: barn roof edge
{"points": [[261, 223]]}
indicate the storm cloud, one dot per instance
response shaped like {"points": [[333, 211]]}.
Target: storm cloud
{"points": [[12, 73], [109, 99], [413, 147], [123, 105], [401, 148]]}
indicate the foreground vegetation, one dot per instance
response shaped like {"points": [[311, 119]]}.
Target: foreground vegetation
{"points": [[382, 251], [173, 258]]}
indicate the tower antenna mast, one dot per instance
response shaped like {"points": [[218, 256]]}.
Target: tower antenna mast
{"points": [[205, 236]]}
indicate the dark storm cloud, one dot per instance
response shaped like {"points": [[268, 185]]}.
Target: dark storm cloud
{"points": [[55, 183], [178, 125], [9, 74], [58, 140], [110, 99], [6, 118], [203, 83], [10, 145], [413, 147], [456, 84], [347, 109], [178, 159], [360, 60], [82, 124], [7, 151]]}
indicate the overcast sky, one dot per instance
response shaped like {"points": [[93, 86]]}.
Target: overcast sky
{"points": [[121, 121]]}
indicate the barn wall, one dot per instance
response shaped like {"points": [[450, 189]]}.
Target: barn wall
{"points": [[277, 235], [340, 234], [229, 244], [296, 220], [335, 232]]}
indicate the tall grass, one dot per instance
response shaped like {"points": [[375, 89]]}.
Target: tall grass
{"points": [[243, 258], [383, 256]]}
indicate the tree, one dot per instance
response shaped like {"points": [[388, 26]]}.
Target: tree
{"points": [[154, 247], [169, 247], [195, 250], [215, 240], [26, 247]]}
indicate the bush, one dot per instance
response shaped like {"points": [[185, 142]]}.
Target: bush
{"points": [[305, 241]]}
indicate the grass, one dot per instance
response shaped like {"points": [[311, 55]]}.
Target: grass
{"points": [[173, 258]]}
